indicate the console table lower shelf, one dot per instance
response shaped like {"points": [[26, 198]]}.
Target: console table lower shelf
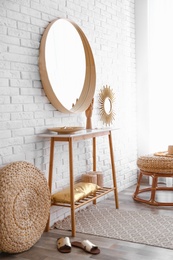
{"points": [[90, 198]]}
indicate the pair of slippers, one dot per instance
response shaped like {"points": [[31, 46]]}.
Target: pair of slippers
{"points": [[64, 246]]}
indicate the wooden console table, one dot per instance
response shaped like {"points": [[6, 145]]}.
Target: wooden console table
{"points": [[70, 138]]}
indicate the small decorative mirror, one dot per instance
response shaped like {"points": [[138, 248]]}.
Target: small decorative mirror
{"points": [[67, 67], [106, 101]]}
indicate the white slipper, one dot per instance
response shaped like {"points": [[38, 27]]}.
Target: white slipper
{"points": [[87, 246]]}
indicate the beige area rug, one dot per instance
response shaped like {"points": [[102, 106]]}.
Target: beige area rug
{"points": [[133, 226]]}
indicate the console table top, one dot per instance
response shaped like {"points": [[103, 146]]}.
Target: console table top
{"points": [[84, 132]]}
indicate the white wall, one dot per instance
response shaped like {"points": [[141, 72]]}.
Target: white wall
{"points": [[142, 76], [25, 111], [154, 59], [160, 74]]}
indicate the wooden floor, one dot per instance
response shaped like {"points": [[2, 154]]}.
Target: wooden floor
{"points": [[45, 248]]}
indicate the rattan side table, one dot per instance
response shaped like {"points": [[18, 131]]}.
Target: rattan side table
{"points": [[155, 167]]}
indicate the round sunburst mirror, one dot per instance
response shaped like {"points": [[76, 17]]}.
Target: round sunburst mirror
{"points": [[106, 101]]}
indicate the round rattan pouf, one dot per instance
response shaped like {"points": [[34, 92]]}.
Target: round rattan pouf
{"points": [[24, 206], [155, 167]]}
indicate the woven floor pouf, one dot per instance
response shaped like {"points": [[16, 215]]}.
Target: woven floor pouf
{"points": [[155, 167], [24, 206]]}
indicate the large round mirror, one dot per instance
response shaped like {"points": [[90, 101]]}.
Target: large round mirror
{"points": [[67, 67]]}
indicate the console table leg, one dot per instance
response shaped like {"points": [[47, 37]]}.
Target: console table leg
{"points": [[94, 160], [73, 224], [113, 170], [50, 176], [94, 154]]}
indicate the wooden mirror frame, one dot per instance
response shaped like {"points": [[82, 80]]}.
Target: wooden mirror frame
{"points": [[88, 88], [106, 94]]}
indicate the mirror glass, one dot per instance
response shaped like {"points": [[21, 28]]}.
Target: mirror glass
{"points": [[64, 48], [107, 105], [67, 67]]}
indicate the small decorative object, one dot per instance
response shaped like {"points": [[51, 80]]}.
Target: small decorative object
{"points": [[168, 153], [106, 100], [66, 129], [93, 177], [100, 179], [88, 114], [170, 149]]}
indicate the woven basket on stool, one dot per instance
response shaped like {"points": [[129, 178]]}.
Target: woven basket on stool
{"points": [[24, 206], [155, 167]]}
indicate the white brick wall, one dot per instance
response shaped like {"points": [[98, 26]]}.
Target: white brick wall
{"points": [[25, 111]]}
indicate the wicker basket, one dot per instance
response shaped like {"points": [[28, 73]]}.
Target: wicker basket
{"points": [[24, 206], [155, 164]]}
